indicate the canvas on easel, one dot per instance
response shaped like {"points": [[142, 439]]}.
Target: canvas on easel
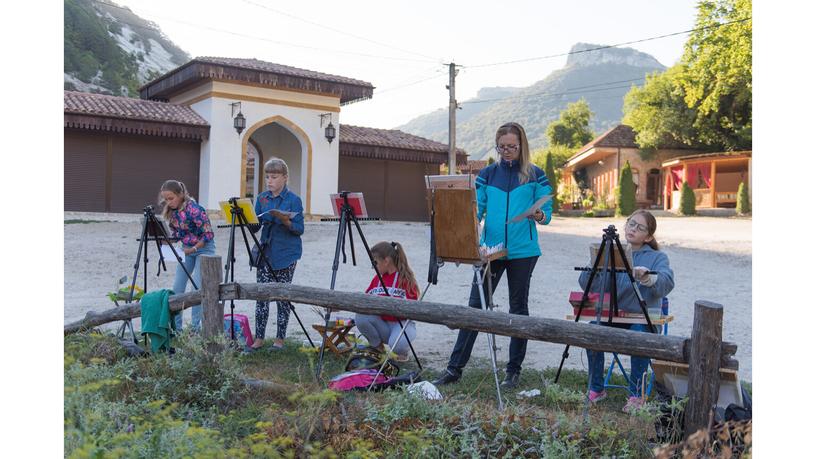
{"points": [[245, 204], [627, 250], [456, 227]]}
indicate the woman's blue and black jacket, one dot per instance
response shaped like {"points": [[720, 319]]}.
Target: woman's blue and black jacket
{"points": [[501, 197]]}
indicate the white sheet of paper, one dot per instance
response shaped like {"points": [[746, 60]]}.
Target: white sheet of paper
{"points": [[284, 212], [168, 254], [529, 212]]}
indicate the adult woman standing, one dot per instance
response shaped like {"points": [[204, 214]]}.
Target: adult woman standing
{"points": [[504, 190]]}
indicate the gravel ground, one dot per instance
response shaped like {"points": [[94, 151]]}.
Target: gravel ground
{"points": [[711, 258]]}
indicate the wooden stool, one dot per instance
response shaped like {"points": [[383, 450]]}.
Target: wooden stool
{"points": [[337, 338]]}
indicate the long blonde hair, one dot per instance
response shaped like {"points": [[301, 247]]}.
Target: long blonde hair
{"points": [[394, 251], [177, 187], [525, 166]]}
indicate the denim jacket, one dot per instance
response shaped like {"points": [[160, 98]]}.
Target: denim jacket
{"points": [[283, 245]]}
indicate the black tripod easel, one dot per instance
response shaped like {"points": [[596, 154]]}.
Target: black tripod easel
{"points": [[346, 218], [238, 219], [610, 245], [152, 230]]}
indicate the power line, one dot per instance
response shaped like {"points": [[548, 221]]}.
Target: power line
{"points": [[343, 32], [435, 75], [254, 37], [608, 46], [567, 92]]}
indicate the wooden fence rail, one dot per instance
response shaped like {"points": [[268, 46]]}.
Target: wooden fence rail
{"points": [[704, 351]]}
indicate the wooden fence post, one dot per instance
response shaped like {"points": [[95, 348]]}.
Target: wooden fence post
{"points": [[213, 308], [704, 364]]}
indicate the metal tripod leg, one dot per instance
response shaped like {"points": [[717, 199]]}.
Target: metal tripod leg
{"points": [[491, 338]]}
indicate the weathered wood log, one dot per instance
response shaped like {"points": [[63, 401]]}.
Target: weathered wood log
{"points": [[552, 330], [704, 365], [213, 308], [128, 311]]}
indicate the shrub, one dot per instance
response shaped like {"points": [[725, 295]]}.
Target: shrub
{"points": [[743, 200], [549, 169], [688, 202], [625, 192]]}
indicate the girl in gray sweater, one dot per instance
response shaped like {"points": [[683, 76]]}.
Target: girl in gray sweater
{"points": [[646, 256]]}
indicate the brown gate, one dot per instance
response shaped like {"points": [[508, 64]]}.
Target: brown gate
{"points": [[117, 173]]}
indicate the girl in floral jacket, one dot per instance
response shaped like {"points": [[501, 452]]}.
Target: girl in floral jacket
{"points": [[189, 223]]}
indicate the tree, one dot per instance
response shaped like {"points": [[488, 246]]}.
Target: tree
{"points": [[688, 202], [743, 200], [549, 169], [705, 100], [717, 79], [572, 127], [658, 112], [625, 192]]}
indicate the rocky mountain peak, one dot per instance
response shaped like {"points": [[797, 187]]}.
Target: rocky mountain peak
{"points": [[623, 56]]}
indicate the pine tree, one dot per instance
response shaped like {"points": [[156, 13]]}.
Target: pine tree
{"points": [[625, 192], [549, 169], [688, 202], [743, 200]]}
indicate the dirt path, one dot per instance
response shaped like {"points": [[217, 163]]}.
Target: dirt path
{"points": [[711, 258]]}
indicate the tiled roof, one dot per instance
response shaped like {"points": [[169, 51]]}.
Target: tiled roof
{"points": [[128, 108], [257, 73], [390, 138], [271, 67], [620, 136]]}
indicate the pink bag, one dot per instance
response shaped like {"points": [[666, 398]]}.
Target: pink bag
{"points": [[359, 379], [243, 321]]}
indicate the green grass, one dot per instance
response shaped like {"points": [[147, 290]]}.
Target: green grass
{"points": [[192, 404]]}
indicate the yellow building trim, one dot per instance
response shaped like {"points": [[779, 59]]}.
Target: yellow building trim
{"points": [[302, 137], [263, 100]]}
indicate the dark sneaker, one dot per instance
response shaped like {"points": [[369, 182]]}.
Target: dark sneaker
{"points": [[511, 381], [447, 377]]}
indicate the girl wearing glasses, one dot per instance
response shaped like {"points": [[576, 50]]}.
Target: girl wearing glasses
{"points": [[646, 257], [503, 190]]}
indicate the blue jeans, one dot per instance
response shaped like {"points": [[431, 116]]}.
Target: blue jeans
{"points": [[519, 272], [180, 282], [597, 359]]}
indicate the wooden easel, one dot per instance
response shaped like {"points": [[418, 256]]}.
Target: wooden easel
{"points": [[455, 238]]}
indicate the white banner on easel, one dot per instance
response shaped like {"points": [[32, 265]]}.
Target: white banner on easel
{"points": [[167, 253]]}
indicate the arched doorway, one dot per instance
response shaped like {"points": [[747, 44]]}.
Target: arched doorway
{"points": [[254, 170], [278, 137]]}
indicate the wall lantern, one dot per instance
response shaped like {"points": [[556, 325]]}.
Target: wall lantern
{"points": [[331, 132], [238, 122]]}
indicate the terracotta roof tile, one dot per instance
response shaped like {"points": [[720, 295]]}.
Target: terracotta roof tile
{"points": [[264, 66], [620, 136], [128, 108], [391, 138]]}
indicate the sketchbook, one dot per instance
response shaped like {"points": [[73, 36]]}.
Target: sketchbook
{"points": [[531, 211]]}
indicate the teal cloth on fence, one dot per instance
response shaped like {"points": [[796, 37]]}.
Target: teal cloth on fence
{"points": [[157, 321]]}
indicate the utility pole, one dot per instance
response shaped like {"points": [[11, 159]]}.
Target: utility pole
{"points": [[452, 106]]}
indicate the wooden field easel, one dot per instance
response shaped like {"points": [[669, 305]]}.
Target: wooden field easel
{"points": [[455, 238]]}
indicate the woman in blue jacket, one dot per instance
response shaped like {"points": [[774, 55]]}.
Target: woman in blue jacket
{"points": [[281, 241], [504, 190], [646, 256]]}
